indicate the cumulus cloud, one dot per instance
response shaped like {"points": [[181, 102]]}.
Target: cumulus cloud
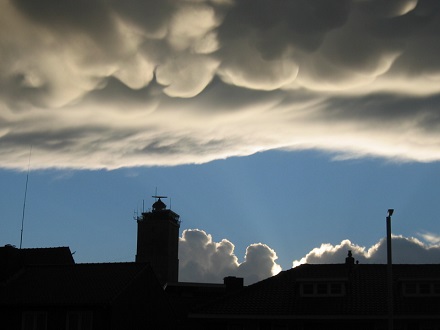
{"points": [[429, 237], [405, 250], [109, 84], [203, 260]]}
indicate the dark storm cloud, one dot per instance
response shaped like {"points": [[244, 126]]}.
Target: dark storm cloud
{"points": [[92, 17], [370, 108], [147, 15], [190, 81], [275, 26]]}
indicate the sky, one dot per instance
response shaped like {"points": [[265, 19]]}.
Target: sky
{"points": [[281, 131]]}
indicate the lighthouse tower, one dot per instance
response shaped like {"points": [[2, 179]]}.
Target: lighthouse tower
{"points": [[158, 241]]}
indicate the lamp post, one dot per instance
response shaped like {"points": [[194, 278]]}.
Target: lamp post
{"points": [[389, 272], [389, 255]]}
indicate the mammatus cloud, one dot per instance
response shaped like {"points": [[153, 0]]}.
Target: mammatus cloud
{"points": [[109, 84], [203, 260]]}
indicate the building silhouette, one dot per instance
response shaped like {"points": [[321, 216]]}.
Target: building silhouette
{"points": [[61, 295], [330, 296], [44, 289], [158, 241]]}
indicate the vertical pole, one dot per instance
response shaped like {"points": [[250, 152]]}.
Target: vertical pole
{"points": [[24, 208], [24, 201], [389, 273], [389, 254]]}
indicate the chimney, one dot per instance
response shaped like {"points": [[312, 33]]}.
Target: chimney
{"points": [[233, 283], [349, 260]]}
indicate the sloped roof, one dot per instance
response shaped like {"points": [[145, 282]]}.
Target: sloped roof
{"points": [[10, 255], [12, 259], [77, 284], [47, 256], [365, 293]]}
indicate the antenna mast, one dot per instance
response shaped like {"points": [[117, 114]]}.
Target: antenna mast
{"points": [[24, 201]]}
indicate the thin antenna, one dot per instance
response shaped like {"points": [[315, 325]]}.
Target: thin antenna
{"points": [[135, 215], [170, 203], [25, 194]]}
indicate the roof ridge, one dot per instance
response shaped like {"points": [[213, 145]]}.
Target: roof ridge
{"points": [[110, 263], [45, 248], [84, 264]]}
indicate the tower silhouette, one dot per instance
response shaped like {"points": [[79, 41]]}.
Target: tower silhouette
{"points": [[158, 241]]}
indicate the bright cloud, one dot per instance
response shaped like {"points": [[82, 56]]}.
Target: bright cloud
{"points": [[405, 250], [430, 238], [110, 84], [203, 260]]}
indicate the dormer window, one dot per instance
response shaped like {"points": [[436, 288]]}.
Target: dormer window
{"points": [[322, 288]]}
